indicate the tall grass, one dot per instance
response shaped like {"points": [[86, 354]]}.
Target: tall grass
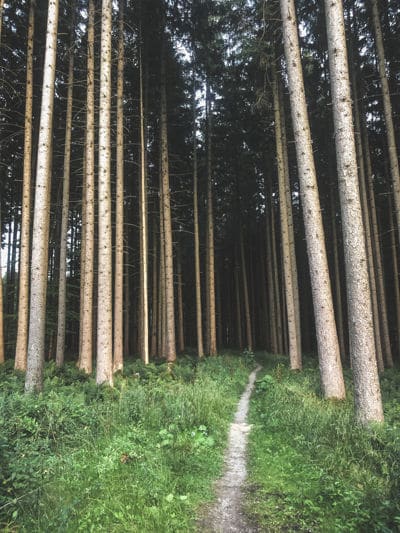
{"points": [[138, 457], [312, 468]]}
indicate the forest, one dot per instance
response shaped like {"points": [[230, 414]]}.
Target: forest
{"points": [[196, 195]]}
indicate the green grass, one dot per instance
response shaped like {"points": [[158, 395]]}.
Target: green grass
{"points": [[311, 467], [139, 457]]}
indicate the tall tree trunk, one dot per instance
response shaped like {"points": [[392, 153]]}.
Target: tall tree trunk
{"points": [[181, 330], [170, 347], [212, 345], [387, 108], [376, 246], [365, 207], [23, 297], [2, 357], [154, 299], [144, 304], [276, 270], [238, 303], [362, 347], [337, 278], [396, 272], [104, 290], [270, 281], [62, 280], [328, 346], [199, 315], [41, 216], [288, 195], [87, 264], [118, 362], [294, 354], [249, 338]]}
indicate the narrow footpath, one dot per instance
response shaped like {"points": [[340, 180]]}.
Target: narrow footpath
{"points": [[227, 516]]}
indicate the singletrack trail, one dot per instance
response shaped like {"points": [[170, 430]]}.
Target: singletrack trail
{"points": [[226, 515]]}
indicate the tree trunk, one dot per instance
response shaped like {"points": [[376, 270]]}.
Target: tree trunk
{"points": [[118, 362], [199, 315], [41, 215], [87, 264], [249, 339], [170, 348], [154, 300], [104, 290], [387, 108], [376, 246], [238, 304], [144, 304], [362, 347], [181, 330], [23, 297], [294, 354], [212, 345], [327, 340], [62, 280]]}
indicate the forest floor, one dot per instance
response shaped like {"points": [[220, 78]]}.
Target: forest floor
{"points": [[226, 515], [144, 455]]}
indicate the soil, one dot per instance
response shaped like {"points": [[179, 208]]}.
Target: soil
{"points": [[226, 515]]}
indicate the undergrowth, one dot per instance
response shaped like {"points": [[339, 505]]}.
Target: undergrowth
{"points": [[136, 457], [311, 467]]}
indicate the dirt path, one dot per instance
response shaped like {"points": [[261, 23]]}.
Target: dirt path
{"points": [[226, 516]]}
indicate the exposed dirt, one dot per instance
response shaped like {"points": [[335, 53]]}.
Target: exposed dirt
{"points": [[226, 515]]}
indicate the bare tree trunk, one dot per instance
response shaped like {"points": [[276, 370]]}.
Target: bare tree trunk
{"points": [[238, 304], [328, 346], [62, 280], [387, 108], [212, 345], [170, 346], [275, 269], [337, 284], [118, 362], [376, 247], [288, 195], [41, 216], [144, 304], [104, 290], [249, 339], [396, 272], [127, 301], [23, 297], [87, 265], [362, 346], [154, 300], [199, 315], [294, 354], [379, 336], [2, 357], [181, 331]]}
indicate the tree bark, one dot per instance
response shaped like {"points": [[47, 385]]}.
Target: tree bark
{"points": [[104, 289], [23, 297], [387, 108], [328, 346], [294, 354], [362, 347], [170, 347], [199, 315], [87, 264], [144, 304], [41, 216], [249, 338], [181, 330], [62, 279], [118, 362], [212, 336]]}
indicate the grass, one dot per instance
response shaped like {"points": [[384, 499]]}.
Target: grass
{"points": [[139, 457], [311, 467]]}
